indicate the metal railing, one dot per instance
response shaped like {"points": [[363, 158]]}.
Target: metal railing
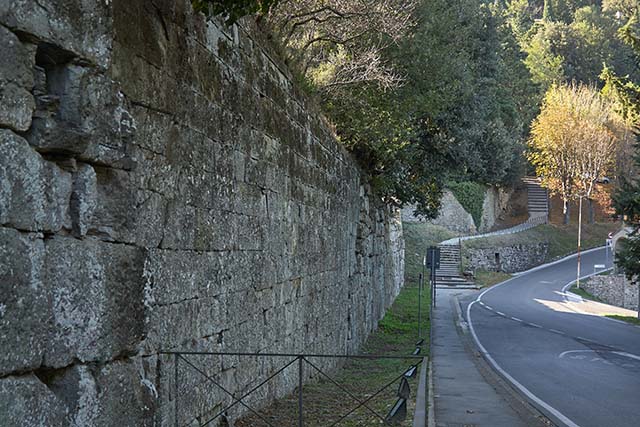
{"points": [[397, 413]]}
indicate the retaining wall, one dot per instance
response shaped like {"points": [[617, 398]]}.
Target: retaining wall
{"points": [[508, 259], [165, 186], [613, 289]]}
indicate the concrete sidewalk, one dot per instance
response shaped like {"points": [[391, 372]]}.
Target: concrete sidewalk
{"points": [[463, 396]]}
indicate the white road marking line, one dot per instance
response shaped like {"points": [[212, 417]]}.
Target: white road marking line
{"points": [[500, 313], [516, 319], [482, 304], [550, 409], [625, 354], [619, 353], [557, 331], [488, 307], [535, 325], [564, 353]]}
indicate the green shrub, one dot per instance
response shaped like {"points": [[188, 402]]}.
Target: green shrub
{"points": [[471, 197]]}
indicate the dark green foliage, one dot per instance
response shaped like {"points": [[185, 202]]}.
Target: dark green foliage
{"points": [[471, 197], [626, 200], [627, 203], [232, 10], [462, 113], [572, 41]]}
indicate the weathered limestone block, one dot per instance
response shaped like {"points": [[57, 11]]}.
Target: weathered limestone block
{"points": [[17, 106], [125, 213], [97, 299], [127, 393], [180, 227], [83, 198], [16, 81], [82, 26], [76, 388], [82, 112], [34, 193], [24, 301], [25, 401]]}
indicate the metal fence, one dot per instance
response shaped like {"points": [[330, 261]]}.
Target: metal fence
{"points": [[193, 361]]}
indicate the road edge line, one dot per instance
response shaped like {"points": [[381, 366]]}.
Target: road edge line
{"points": [[549, 264], [543, 406]]}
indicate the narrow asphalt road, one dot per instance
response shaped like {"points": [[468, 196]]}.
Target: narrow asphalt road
{"points": [[579, 369]]}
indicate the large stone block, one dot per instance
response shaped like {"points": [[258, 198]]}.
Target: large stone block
{"points": [[97, 299], [127, 393], [79, 25], [16, 80], [83, 113], [34, 193], [24, 301], [83, 198], [25, 401], [17, 107]]}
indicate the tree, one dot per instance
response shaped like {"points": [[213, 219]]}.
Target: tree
{"points": [[232, 10], [573, 143], [337, 43], [626, 92]]}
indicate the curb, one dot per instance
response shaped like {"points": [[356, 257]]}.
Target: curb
{"points": [[525, 409], [431, 413]]}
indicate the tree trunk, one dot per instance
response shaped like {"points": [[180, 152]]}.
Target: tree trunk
{"points": [[579, 241], [592, 211], [566, 211]]}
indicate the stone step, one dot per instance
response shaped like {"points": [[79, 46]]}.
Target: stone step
{"points": [[447, 273], [445, 283]]}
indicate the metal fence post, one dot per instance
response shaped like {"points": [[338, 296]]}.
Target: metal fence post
{"points": [[420, 306], [175, 379], [300, 402]]}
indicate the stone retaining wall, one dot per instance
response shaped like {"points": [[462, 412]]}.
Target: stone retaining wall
{"points": [[451, 215], [613, 289], [495, 204], [508, 259], [165, 186]]}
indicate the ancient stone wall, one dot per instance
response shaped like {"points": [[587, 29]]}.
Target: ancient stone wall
{"points": [[451, 215], [613, 289], [165, 186], [494, 206], [508, 259]]}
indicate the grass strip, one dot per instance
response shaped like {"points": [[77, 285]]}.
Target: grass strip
{"points": [[484, 278], [397, 334], [562, 239], [584, 294]]}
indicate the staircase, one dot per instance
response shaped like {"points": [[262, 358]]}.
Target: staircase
{"points": [[537, 197], [449, 272]]}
